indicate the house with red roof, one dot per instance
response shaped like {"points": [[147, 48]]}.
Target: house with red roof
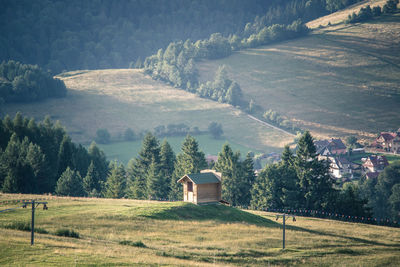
{"points": [[388, 141]]}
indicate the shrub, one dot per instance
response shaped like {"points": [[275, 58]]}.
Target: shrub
{"points": [[139, 244], [103, 136], [24, 226], [67, 233]]}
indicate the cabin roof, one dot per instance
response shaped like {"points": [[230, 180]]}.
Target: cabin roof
{"points": [[202, 178]]}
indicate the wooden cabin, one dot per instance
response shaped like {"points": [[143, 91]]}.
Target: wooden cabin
{"points": [[200, 188]]}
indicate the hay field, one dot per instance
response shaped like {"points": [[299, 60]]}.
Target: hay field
{"points": [[338, 81], [122, 98], [150, 233]]}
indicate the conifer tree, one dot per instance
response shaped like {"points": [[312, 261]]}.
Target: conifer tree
{"points": [[150, 151], [248, 180], [156, 183], [70, 184], [232, 174], [99, 160], [314, 180], [65, 158], [91, 182], [167, 162], [189, 160], [40, 170], [116, 182]]}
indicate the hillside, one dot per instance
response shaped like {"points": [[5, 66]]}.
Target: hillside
{"points": [[136, 233], [118, 99], [338, 81]]}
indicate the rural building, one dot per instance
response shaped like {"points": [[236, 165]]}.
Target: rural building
{"points": [[388, 142], [200, 188], [375, 163], [334, 146]]}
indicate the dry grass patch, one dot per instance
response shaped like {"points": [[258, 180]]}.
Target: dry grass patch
{"points": [[180, 234]]}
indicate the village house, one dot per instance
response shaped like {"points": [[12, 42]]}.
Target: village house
{"points": [[201, 188], [332, 151], [388, 142], [335, 146], [373, 165]]}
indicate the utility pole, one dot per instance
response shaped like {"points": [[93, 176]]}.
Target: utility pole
{"points": [[284, 216], [34, 205]]}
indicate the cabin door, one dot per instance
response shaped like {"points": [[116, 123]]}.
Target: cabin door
{"points": [[190, 191]]}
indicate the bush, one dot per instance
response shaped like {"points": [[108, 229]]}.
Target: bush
{"points": [[129, 135], [215, 129], [103, 136], [139, 244], [24, 226], [67, 233]]}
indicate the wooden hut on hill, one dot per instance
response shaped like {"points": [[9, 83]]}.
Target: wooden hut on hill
{"points": [[201, 188]]}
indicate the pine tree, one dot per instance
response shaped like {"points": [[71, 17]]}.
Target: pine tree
{"points": [[167, 162], [314, 180], [40, 169], [99, 160], [116, 182], [150, 151], [232, 174], [91, 182], [65, 158], [70, 184], [248, 180], [156, 183], [190, 160]]}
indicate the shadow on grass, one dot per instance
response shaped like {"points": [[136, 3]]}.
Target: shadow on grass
{"points": [[354, 239], [216, 212]]}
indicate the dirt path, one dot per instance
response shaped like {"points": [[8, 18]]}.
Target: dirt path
{"points": [[270, 125]]}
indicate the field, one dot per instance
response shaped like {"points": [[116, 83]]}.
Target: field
{"points": [[118, 99], [137, 233], [338, 81], [124, 151]]}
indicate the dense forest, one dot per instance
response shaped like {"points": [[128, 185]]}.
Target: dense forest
{"points": [[67, 35], [26, 83]]}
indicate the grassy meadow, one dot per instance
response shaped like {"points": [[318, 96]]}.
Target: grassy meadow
{"points": [[136, 233], [338, 81], [126, 98], [124, 151]]}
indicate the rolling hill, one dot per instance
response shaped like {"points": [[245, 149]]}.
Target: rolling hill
{"points": [[340, 80], [135, 233], [122, 98]]}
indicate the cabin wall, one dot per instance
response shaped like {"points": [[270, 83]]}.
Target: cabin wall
{"points": [[208, 193]]}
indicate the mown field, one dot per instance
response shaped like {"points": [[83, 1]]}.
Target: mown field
{"points": [[118, 99], [338, 81], [124, 151], [137, 233]]}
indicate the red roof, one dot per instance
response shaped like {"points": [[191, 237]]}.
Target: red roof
{"points": [[387, 136]]}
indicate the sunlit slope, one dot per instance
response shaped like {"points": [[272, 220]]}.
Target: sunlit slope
{"points": [[118, 99], [341, 15], [338, 81], [122, 232]]}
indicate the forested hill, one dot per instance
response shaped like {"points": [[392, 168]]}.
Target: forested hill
{"points": [[78, 34], [72, 34]]}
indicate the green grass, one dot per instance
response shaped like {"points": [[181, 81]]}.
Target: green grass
{"points": [[338, 81], [124, 151], [126, 98], [137, 233]]}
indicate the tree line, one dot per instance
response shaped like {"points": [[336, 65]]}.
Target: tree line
{"points": [[40, 158], [34, 155], [67, 35], [25, 83], [367, 13]]}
